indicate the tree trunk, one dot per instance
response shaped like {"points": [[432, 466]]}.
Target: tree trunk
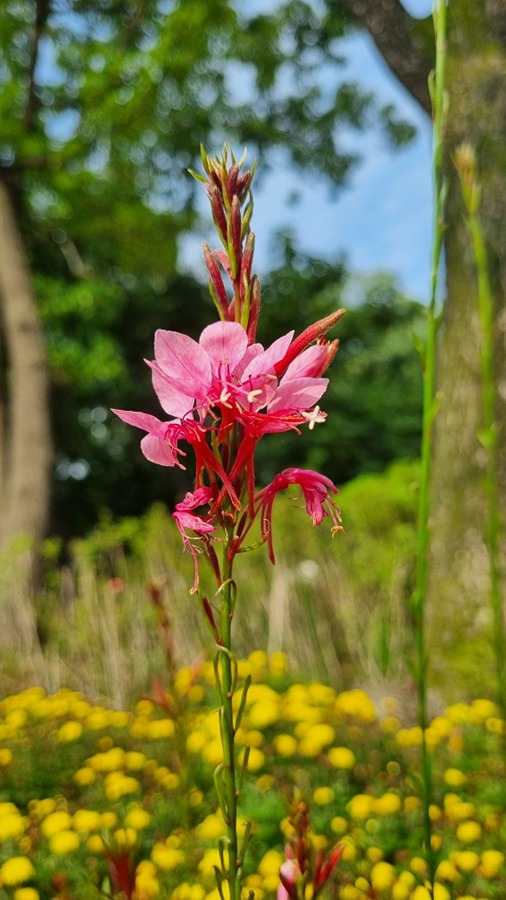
{"points": [[460, 569], [459, 573], [25, 430]]}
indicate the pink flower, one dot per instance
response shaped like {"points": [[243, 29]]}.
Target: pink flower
{"points": [[221, 380], [186, 519], [288, 875], [316, 489]]}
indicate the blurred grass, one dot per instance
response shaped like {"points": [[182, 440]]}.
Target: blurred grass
{"points": [[339, 608]]}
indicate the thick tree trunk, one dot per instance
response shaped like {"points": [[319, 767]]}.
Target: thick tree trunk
{"points": [[458, 589], [25, 432], [460, 570]]}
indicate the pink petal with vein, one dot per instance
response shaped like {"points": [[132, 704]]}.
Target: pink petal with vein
{"points": [[158, 451], [142, 420], [173, 400], [264, 363], [308, 363], [298, 394], [184, 362], [225, 343]]}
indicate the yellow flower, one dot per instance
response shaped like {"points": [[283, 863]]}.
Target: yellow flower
{"points": [[146, 886], [341, 758], [322, 796], [12, 825], [186, 891], [285, 745], [16, 870], [469, 832], [465, 860], [97, 719], [109, 819], [26, 893], [360, 806], [56, 821], [387, 805], [256, 759], [268, 868], [350, 849], [85, 776], [484, 708], [412, 803], [350, 892], [447, 871], [117, 785], [196, 740], [108, 761], [160, 729], [278, 663], [137, 818], [455, 778], [356, 703], [86, 820], [491, 863], [419, 866], [459, 810], [382, 876], [5, 757], [212, 827], [422, 893], [169, 780], [125, 837], [135, 760], [166, 858], [95, 843], [409, 737], [212, 752], [390, 724], [265, 712], [64, 842], [69, 731], [339, 825]]}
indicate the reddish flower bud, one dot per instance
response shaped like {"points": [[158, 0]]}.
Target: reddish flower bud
{"points": [[235, 230], [311, 334], [216, 279], [254, 310], [217, 210]]}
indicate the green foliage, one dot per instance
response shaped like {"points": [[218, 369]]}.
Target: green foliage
{"points": [[105, 109]]}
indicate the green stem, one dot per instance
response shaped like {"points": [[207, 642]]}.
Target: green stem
{"points": [[429, 413], [228, 683]]}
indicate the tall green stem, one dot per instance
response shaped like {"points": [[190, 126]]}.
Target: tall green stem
{"points": [[227, 680], [429, 413]]}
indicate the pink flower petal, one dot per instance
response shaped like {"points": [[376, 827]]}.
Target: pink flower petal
{"points": [[184, 362], [308, 363], [225, 343], [173, 401], [158, 451], [298, 394], [142, 420], [264, 363]]}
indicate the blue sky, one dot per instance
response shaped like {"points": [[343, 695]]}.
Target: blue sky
{"points": [[382, 219]]}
